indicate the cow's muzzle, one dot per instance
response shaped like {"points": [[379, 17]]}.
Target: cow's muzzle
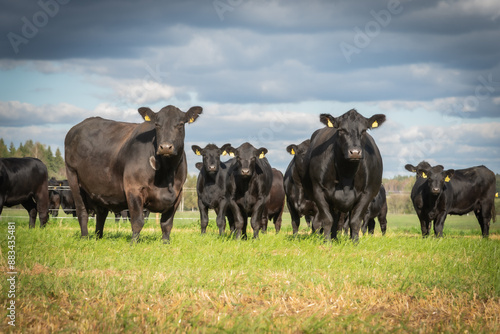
{"points": [[436, 191], [165, 149], [245, 172], [354, 154]]}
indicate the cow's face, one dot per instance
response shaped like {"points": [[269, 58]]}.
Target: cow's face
{"points": [[351, 129], [246, 156], [211, 157], [437, 178], [169, 126], [423, 165]]}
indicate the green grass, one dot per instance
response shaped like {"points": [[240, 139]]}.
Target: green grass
{"points": [[279, 283]]}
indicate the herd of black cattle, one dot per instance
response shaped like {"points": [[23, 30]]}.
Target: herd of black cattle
{"points": [[334, 179]]}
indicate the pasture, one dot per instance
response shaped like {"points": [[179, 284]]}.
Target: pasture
{"points": [[278, 283]]}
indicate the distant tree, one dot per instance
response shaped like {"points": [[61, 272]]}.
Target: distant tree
{"points": [[4, 151], [12, 150]]}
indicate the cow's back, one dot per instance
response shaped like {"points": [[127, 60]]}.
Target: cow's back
{"points": [[25, 178], [470, 187]]}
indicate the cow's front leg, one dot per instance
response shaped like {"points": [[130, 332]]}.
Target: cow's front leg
{"points": [[425, 225], [439, 224], [100, 220], [135, 208], [221, 216], [257, 217], [324, 218], [203, 216]]}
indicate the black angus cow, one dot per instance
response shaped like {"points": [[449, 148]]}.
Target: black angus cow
{"points": [[249, 184], [25, 181], [438, 192], [211, 187], [61, 195], [116, 165], [54, 197], [275, 203], [297, 204], [376, 209], [343, 170]]}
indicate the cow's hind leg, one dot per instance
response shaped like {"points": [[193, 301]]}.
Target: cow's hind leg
{"points": [[483, 217], [81, 210], [30, 206], [42, 203]]}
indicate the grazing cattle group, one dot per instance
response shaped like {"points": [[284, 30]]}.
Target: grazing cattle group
{"points": [[334, 179]]}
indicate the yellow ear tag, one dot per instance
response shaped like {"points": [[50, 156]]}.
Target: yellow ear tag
{"points": [[191, 120], [330, 124], [496, 195], [375, 124], [198, 152], [262, 155], [231, 154], [146, 118], [447, 179], [292, 152], [424, 175]]}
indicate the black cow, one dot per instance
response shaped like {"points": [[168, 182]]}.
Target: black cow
{"points": [[211, 187], [343, 170], [54, 197], [378, 209], [61, 195], [116, 165], [276, 202], [297, 204], [249, 185], [438, 192], [25, 181]]}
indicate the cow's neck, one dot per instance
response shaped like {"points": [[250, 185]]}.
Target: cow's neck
{"points": [[349, 170], [164, 175]]}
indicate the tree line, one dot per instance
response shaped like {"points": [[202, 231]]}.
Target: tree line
{"points": [[53, 161]]}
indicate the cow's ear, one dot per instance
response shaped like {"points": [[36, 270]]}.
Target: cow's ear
{"points": [[146, 113], [292, 149], [328, 120], [196, 149], [225, 150], [199, 165], [262, 152], [193, 113], [449, 174], [411, 168], [375, 121]]}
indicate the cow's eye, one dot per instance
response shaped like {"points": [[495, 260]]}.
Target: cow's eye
{"points": [[157, 124]]}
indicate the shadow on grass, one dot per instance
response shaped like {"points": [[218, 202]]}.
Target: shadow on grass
{"points": [[120, 235]]}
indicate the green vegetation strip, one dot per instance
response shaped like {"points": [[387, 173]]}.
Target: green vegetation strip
{"points": [[279, 283]]}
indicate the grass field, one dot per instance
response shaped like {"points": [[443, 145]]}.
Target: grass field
{"points": [[208, 284]]}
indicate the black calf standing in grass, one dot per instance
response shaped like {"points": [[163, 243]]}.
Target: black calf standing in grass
{"points": [[438, 192], [249, 183], [211, 187]]}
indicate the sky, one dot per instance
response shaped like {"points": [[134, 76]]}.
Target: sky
{"points": [[263, 71]]}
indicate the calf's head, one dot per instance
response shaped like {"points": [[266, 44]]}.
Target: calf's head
{"points": [[169, 126], [351, 130], [435, 177], [246, 157], [211, 157], [299, 153]]}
